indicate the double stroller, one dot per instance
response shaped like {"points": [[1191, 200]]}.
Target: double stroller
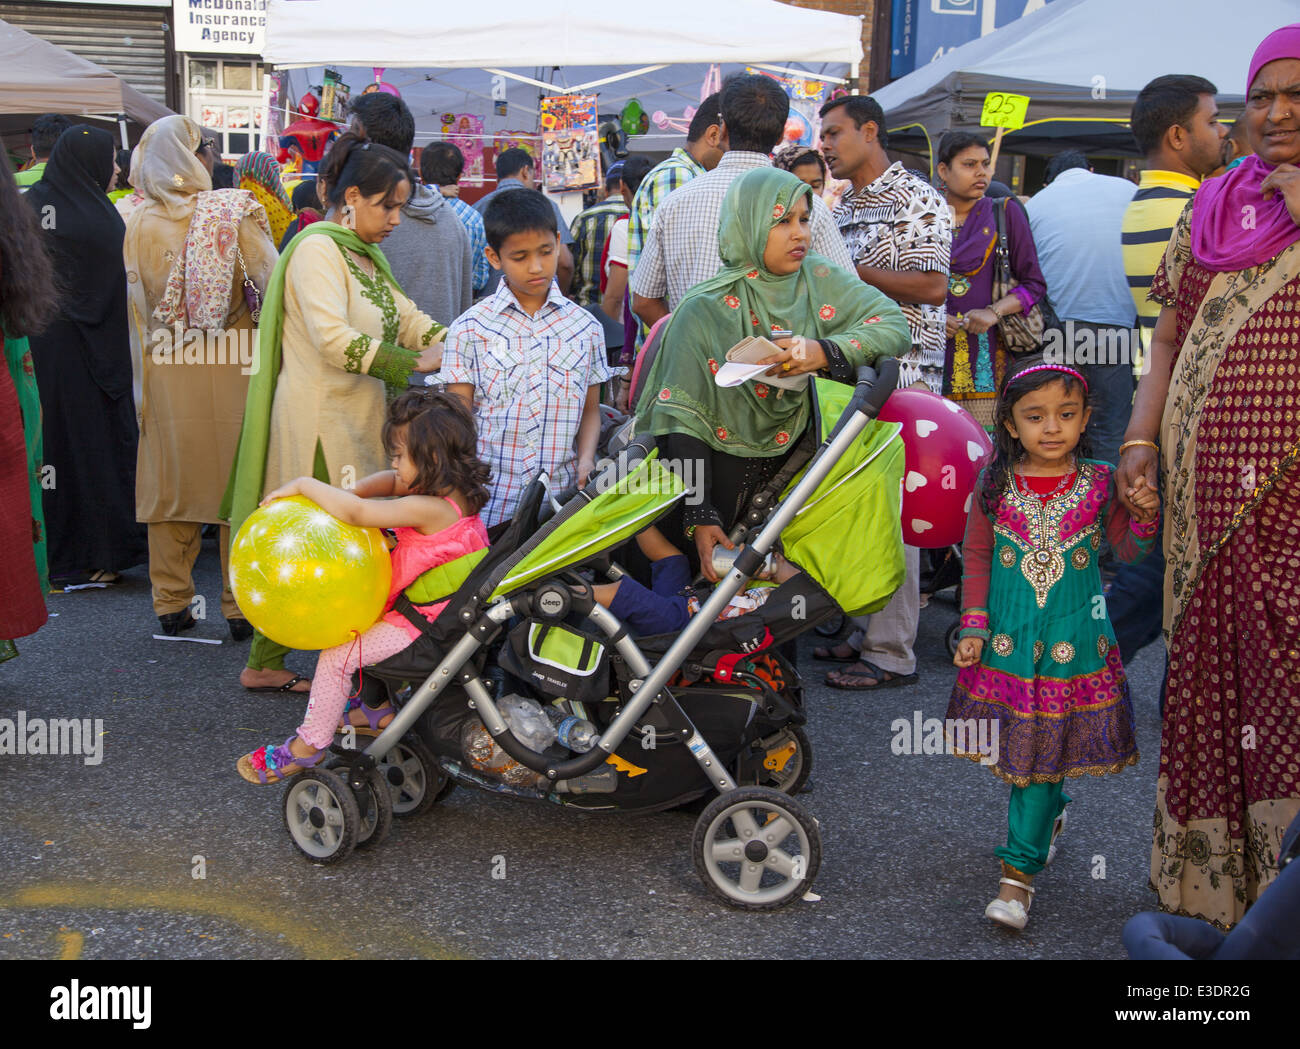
{"points": [[714, 709]]}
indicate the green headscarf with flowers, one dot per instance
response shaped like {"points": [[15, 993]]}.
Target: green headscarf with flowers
{"points": [[819, 300]]}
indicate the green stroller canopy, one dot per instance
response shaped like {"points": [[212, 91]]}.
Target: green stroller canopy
{"points": [[849, 535], [638, 499]]}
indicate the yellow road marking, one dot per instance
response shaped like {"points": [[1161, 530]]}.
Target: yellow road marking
{"points": [[71, 944], [296, 931]]}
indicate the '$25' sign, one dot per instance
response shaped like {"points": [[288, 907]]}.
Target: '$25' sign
{"points": [[1004, 110]]}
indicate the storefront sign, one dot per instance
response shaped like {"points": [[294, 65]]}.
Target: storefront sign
{"points": [[225, 27]]}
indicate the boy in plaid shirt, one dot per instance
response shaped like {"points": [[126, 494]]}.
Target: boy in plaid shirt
{"points": [[527, 361]]}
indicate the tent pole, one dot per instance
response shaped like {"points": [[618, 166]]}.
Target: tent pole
{"points": [[579, 89], [853, 79], [121, 127]]}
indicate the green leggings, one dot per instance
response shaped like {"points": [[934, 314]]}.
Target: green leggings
{"points": [[265, 654], [1030, 816]]}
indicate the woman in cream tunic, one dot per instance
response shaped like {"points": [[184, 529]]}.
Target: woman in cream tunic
{"points": [[183, 252], [336, 331]]}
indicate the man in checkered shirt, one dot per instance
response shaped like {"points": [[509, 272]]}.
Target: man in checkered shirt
{"points": [[705, 144], [528, 361], [682, 248]]}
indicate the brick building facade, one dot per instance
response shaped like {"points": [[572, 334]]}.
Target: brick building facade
{"points": [[875, 35]]}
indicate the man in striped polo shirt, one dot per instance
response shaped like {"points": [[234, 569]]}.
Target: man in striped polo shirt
{"points": [[1175, 121]]}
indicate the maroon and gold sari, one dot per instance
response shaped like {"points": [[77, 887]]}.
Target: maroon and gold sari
{"points": [[1230, 748]]}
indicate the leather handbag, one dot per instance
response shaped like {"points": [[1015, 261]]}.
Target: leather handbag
{"points": [[1020, 333]]}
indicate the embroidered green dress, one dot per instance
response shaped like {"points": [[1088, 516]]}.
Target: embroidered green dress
{"points": [[1050, 674]]}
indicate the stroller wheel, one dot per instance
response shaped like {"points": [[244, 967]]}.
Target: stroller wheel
{"points": [[415, 779], [321, 816], [786, 760], [951, 638], [375, 804], [831, 628], [756, 848]]}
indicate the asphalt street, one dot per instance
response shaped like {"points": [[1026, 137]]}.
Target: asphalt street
{"points": [[100, 861]]}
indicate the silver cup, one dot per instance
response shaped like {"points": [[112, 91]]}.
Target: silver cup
{"points": [[724, 560]]}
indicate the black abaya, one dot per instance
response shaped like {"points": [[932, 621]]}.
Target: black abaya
{"points": [[83, 366]]}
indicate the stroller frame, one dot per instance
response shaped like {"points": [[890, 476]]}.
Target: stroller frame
{"points": [[759, 846]]}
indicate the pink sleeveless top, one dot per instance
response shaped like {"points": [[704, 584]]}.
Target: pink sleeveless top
{"points": [[416, 553]]}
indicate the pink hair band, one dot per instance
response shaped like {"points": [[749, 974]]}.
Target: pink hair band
{"points": [[1054, 368]]}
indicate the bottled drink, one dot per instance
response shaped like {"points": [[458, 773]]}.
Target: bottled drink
{"points": [[603, 781], [575, 733], [527, 721]]}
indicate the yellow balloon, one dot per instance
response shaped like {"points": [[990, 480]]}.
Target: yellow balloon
{"points": [[304, 578]]}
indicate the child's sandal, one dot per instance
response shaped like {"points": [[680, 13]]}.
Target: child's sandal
{"points": [[265, 764], [373, 715], [1011, 913]]}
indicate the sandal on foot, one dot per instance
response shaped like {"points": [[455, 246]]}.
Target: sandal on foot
{"points": [[286, 687], [1011, 913], [870, 672], [269, 764], [830, 653], [1058, 825], [373, 715]]}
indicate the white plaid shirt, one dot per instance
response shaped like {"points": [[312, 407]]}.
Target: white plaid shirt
{"points": [[682, 248], [530, 377]]}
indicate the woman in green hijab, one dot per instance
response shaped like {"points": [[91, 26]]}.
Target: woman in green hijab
{"points": [[770, 281]]}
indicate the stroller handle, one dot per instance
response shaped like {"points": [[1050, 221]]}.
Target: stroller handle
{"points": [[874, 387]]}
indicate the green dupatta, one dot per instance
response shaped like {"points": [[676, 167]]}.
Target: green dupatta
{"points": [[819, 300], [248, 475]]}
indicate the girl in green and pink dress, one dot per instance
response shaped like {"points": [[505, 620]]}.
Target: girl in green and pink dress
{"points": [[1040, 670]]}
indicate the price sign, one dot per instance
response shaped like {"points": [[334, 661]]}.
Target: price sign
{"points": [[1004, 110]]}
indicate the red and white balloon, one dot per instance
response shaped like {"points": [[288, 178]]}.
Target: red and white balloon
{"points": [[944, 450]]}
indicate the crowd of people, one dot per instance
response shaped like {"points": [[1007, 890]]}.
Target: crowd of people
{"points": [[842, 255]]}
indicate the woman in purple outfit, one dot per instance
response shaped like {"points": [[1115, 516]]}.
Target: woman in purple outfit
{"points": [[975, 361]]}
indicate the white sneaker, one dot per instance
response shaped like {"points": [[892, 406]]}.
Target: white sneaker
{"points": [[1011, 913], [1057, 826]]}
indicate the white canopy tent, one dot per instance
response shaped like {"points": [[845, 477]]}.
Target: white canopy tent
{"points": [[446, 59]]}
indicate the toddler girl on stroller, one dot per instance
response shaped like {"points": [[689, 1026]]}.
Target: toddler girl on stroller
{"points": [[437, 487]]}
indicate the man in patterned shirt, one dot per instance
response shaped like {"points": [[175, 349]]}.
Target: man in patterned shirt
{"points": [[527, 361], [682, 248], [897, 226], [441, 165], [899, 231], [590, 231]]}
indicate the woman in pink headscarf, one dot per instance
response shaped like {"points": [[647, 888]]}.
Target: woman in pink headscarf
{"points": [[1218, 406]]}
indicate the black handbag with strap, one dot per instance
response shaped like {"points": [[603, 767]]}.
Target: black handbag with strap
{"points": [[1021, 333]]}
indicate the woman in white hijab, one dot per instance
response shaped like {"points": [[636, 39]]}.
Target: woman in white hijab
{"points": [[196, 262]]}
